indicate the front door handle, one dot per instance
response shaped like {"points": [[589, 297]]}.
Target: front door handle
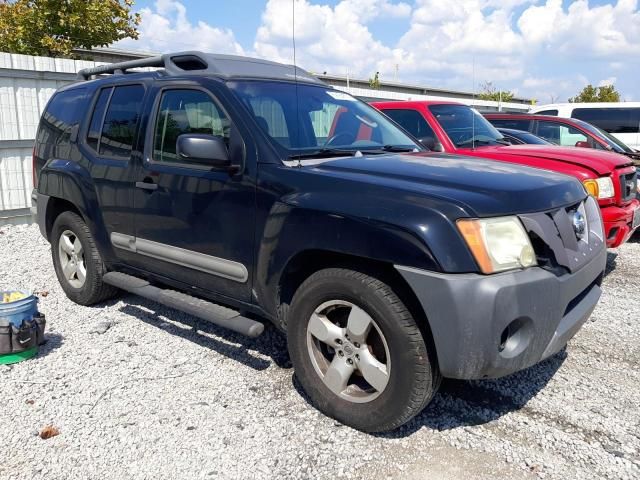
{"points": [[147, 185]]}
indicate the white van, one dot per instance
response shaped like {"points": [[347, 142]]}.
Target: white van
{"points": [[620, 119]]}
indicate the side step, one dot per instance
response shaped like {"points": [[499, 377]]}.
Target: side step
{"points": [[211, 312]]}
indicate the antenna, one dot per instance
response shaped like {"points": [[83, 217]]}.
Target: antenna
{"points": [[295, 72], [473, 94]]}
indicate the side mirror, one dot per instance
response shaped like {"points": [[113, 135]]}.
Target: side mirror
{"points": [[432, 144], [210, 150], [583, 144]]}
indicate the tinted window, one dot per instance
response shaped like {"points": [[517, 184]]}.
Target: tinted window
{"points": [[185, 111], [512, 123], [95, 127], [121, 121], [553, 113], [412, 121], [465, 126], [612, 120], [270, 117], [62, 113], [306, 118], [560, 134]]}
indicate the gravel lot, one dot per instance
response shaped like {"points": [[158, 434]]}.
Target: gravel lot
{"points": [[140, 391]]}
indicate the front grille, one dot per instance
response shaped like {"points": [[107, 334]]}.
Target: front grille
{"points": [[560, 245], [628, 187]]}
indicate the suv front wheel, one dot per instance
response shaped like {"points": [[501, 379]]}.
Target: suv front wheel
{"points": [[357, 351], [77, 262]]}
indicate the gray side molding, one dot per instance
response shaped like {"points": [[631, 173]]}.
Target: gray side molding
{"points": [[220, 267]]}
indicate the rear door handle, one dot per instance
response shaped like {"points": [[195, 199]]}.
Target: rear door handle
{"points": [[147, 185]]}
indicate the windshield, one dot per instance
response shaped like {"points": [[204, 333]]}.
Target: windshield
{"points": [[615, 144], [465, 126], [313, 120]]}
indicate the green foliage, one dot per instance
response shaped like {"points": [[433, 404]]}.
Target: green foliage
{"points": [[606, 93], [489, 92], [374, 82], [55, 27]]}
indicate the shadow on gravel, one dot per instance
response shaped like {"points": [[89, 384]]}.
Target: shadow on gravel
{"points": [[611, 262], [271, 343], [468, 403], [53, 342]]}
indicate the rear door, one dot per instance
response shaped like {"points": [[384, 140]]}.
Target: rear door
{"points": [[194, 223]]}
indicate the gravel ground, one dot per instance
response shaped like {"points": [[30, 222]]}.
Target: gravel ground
{"points": [[140, 391]]}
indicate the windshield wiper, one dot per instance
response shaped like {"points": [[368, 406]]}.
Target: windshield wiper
{"points": [[390, 148], [483, 142], [324, 153]]}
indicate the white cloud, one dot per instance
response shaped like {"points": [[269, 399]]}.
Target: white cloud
{"points": [[607, 82], [540, 48], [329, 39], [167, 28]]}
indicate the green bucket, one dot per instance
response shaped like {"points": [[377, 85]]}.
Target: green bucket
{"points": [[10, 358]]}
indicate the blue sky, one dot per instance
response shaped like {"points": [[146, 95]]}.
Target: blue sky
{"points": [[544, 49]]}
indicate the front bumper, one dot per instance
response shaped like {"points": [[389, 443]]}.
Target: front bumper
{"points": [[487, 326], [617, 223]]}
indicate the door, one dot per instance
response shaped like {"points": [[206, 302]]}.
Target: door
{"points": [[108, 151], [194, 223]]}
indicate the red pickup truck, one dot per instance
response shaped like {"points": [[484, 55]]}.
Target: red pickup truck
{"points": [[456, 128]]}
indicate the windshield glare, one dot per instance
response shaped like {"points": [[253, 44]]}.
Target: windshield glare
{"points": [[307, 118], [465, 126]]}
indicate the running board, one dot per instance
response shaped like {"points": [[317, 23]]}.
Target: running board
{"points": [[211, 312]]}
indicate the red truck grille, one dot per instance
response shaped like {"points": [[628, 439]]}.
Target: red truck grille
{"points": [[628, 186]]}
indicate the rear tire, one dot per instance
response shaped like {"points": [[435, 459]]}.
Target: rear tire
{"points": [[77, 261], [344, 324]]}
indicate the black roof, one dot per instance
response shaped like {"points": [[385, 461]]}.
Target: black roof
{"points": [[199, 63]]}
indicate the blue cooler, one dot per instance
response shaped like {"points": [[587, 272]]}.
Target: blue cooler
{"points": [[21, 328]]}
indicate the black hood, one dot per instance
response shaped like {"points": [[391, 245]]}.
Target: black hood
{"points": [[481, 187]]}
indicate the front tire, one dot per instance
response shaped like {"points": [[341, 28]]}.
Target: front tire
{"points": [[358, 352], [77, 261]]}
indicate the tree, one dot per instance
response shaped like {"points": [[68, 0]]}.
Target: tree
{"points": [[374, 82], [55, 27], [489, 92], [606, 93]]}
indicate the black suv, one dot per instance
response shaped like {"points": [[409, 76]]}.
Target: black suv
{"points": [[238, 190]]}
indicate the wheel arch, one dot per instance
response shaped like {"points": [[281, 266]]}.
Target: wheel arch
{"points": [[307, 262]]}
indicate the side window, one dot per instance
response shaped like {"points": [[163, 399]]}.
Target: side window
{"points": [[512, 123], [121, 121], [412, 121], [560, 134], [612, 120], [553, 113], [270, 117], [58, 120], [95, 127], [185, 111]]}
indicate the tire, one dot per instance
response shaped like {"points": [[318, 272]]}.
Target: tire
{"points": [[404, 376], [85, 287]]}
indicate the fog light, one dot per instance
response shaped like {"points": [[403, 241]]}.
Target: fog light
{"points": [[527, 256]]}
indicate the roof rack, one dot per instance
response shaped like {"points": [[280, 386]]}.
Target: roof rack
{"points": [[193, 62]]}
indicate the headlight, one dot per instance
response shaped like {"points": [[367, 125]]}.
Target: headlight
{"points": [[498, 244], [600, 187]]}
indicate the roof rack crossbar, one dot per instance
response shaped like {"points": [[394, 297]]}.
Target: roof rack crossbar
{"points": [[122, 67]]}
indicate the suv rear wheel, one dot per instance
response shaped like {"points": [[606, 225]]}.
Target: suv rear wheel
{"points": [[358, 352], [77, 262]]}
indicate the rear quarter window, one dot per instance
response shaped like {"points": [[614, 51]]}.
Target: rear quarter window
{"points": [[512, 123], [61, 115]]}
